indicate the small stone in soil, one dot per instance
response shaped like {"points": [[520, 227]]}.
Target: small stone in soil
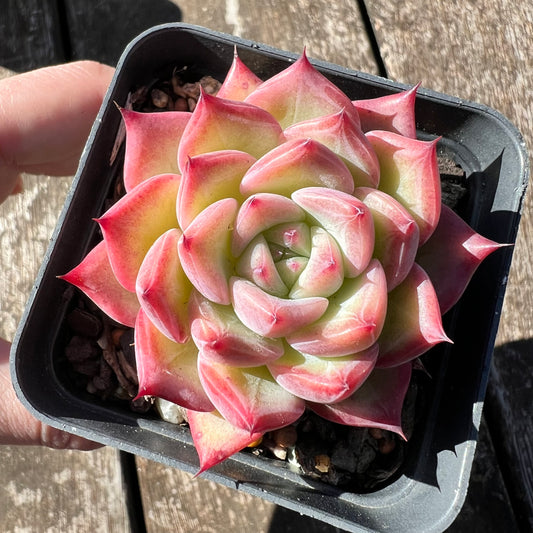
{"points": [[322, 463], [80, 349], [453, 181], [84, 323], [127, 347], [159, 98], [343, 457]]}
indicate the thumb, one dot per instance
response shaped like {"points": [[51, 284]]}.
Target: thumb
{"points": [[18, 426], [45, 119]]}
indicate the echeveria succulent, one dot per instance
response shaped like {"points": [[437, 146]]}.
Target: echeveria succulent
{"points": [[280, 248]]}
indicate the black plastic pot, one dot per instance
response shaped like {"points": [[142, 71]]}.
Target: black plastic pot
{"points": [[434, 479]]}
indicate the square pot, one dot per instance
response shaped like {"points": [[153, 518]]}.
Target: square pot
{"points": [[431, 487]]}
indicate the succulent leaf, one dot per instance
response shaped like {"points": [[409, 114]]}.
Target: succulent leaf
{"points": [[168, 369], [393, 112], [95, 278], [240, 81], [204, 250], [163, 288], [249, 398], [130, 227], [215, 439], [300, 93], [152, 141], [289, 269], [293, 236], [376, 404], [261, 212], [223, 338], [409, 173], [414, 323], [257, 265], [269, 315], [452, 255], [220, 124], [346, 218], [341, 133], [354, 318], [210, 177], [296, 164], [323, 275], [396, 234], [321, 379]]}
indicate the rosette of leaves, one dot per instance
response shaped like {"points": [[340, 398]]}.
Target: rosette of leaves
{"points": [[280, 248]]}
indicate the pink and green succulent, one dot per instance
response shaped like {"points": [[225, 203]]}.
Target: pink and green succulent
{"points": [[280, 248]]}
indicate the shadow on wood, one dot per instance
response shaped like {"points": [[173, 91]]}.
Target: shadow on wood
{"points": [[508, 412], [287, 521], [37, 33]]}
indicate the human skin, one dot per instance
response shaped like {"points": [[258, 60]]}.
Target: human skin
{"points": [[45, 119]]}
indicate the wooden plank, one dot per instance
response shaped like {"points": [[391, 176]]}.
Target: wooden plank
{"points": [[331, 31], [172, 501], [482, 52], [50, 490], [175, 502], [30, 33]]}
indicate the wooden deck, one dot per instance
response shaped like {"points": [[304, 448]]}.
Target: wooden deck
{"points": [[475, 50]]}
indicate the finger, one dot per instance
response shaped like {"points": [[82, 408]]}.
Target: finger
{"points": [[18, 426], [45, 119]]}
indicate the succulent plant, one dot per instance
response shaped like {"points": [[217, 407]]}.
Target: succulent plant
{"points": [[280, 248]]}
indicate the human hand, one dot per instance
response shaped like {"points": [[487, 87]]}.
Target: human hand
{"points": [[18, 426], [45, 119]]}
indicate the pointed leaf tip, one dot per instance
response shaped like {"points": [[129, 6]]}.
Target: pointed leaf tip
{"points": [[240, 81], [393, 112], [376, 404], [215, 439], [249, 398], [152, 141], [414, 323], [452, 255], [300, 92], [95, 278]]}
